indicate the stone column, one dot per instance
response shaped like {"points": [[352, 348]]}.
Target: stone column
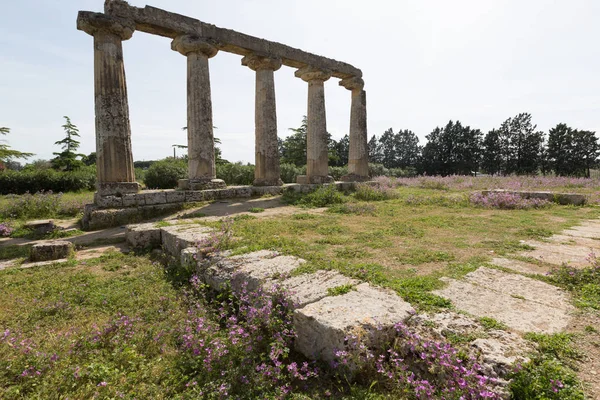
{"points": [[358, 157], [114, 163], [316, 133], [266, 172], [202, 171]]}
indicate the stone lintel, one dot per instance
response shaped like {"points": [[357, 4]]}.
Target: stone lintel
{"points": [[310, 73], [92, 23], [186, 44], [257, 62], [160, 22]]}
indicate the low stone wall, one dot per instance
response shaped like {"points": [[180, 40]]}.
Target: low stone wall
{"points": [[112, 210], [560, 198]]}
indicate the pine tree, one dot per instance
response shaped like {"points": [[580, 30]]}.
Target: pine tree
{"points": [[67, 159], [6, 153]]}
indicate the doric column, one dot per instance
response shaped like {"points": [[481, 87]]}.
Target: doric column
{"points": [[202, 171], [266, 172], [114, 162], [358, 157], [316, 133]]}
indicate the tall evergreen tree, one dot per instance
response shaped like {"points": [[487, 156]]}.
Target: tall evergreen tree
{"points": [[453, 149], [521, 146], [491, 161], [585, 152], [388, 148], [6, 153], [67, 159], [375, 153], [293, 149], [560, 141], [407, 149]]}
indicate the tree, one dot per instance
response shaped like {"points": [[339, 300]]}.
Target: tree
{"points": [[6, 153], [375, 151], [560, 141], [90, 159], [407, 149], [491, 160], [585, 152], [388, 149], [293, 149], [339, 150], [67, 159], [521, 146], [453, 149]]}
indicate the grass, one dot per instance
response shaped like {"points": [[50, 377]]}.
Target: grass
{"points": [[340, 290], [14, 251]]}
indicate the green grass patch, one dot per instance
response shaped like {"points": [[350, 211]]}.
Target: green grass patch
{"points": [[256, 210], [14, 251], [340, 290]]}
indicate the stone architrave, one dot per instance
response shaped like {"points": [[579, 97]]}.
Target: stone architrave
{"points": [[267, 171], [114, 163], [358, 157], [202, 171], [316, 135]]}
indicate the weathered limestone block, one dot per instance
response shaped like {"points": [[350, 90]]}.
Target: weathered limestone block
{"points": [[189, 258], [358, 155], [175, 196], [192, 196], [51, 250], [134, 200], [40, 226], [263, 190], [178, 237], [308, 288], [94, 218], [267, 171], [201, 184], [369, 311], [143, 235], [152, 198], [316, 131], [264, 272], [108, 201], [219, 274]]}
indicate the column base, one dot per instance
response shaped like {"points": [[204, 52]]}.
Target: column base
{"points": [[315, 179], [117, 188], [201, 184], [354, 178], [267, 182]]}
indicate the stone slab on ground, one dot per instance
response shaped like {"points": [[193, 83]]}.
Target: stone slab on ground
{"points": [[178, 237], [309, 288], [521, 287], [41, 226], [566, 240], [368, 311], [51, 250], [496, 350], [558, 254], [517, 313], [520, 266], [219, 271], [264, 272], [146, 235]]}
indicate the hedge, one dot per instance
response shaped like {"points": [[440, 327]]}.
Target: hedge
{"points": [[20, 182]]}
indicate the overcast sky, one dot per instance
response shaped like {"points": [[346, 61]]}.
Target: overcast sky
{"points": [[424, 62]]}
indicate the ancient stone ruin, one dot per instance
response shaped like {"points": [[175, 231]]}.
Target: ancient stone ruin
{"points": [[198, 42]]}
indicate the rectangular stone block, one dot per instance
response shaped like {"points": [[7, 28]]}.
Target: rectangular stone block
{"points": [[143, 235], [133, 200], [368, 311], [263, 190], [108, 201], [192, 196], [155, 198], [264, 272], [175, 196], [309, 288], [51, 250], [218, 275], [241, 191], [178, 237]]}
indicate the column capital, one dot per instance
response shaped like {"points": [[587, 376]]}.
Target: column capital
{"points": [[186, 44], [353, 83], [256, 62], [92, 23], [310, 73]]}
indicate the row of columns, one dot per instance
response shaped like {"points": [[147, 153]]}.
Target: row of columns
{"points": [[113, 132]]}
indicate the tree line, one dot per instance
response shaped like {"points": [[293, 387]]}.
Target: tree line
{"points": [[515, 147]]}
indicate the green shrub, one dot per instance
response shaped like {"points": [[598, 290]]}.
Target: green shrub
{"points": [[140, 175], [164, 174], [338, 172], [289, 172], [33, 181], [236, 173], [378, 170], [322, 197]]}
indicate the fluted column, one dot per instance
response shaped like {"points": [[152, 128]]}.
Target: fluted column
{"points": [[202, 171], [358, 155], [266, 172], [114, 162], [316, 132]]}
